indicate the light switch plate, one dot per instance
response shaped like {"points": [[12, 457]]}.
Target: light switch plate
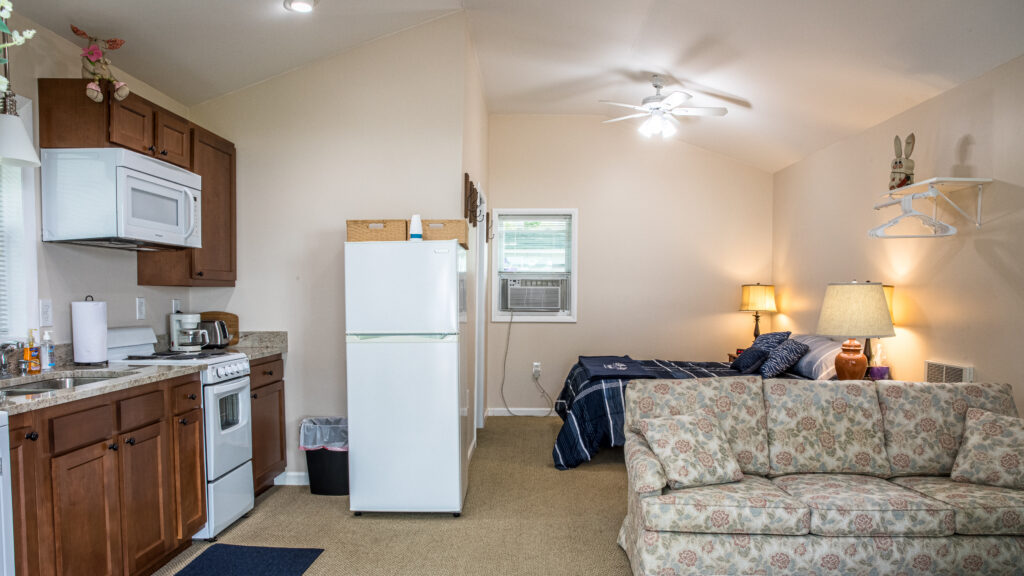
{"points": [[140, 308], [45, 312], [175, 305]]}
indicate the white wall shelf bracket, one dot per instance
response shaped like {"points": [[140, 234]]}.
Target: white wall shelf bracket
{"points": [[933, 189]]}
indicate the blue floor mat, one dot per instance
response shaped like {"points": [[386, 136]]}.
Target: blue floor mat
{"points": [[229, 560]]}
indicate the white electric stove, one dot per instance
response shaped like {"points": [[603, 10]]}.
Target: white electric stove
{"points": [[227, 414]]}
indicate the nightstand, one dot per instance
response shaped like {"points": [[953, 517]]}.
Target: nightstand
{"points": [[732, 357]]}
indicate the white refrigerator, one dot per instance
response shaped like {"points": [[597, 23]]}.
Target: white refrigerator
{"points": [[405, 307]]}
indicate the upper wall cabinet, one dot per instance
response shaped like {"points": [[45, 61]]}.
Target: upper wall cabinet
{"points": [[68, 119]]}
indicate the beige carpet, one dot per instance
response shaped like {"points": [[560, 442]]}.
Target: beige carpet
{"points": [[522, 516]]}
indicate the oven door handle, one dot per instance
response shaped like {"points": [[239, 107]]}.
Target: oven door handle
{"points": [[227, 388]]}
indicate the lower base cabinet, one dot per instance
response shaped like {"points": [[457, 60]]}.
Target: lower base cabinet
{"points": [[269, 444], [111, 485]]}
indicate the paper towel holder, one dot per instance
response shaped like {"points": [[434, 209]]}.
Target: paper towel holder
{"points": [[89, 332]]}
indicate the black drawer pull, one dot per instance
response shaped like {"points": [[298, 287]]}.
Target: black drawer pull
{"points": [[268, 372], [113, 447], [33, 436], [255, 395], [183, 420], [130, 441], [192, 396], [163, 152], [200, 273], [152, 149]]}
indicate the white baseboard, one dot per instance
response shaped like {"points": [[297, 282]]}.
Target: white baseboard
{"points": [[292, 479], [520, 412]]}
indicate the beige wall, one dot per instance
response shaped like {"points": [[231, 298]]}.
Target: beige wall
{"points": [[958, 299], [69, 272], [376, 132], [667, 234]]}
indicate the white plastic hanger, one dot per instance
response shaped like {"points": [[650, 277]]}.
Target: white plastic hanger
{"points": [[906, 203]]}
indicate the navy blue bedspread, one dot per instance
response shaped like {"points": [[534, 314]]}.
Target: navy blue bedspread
{"points": [[593, 408]]}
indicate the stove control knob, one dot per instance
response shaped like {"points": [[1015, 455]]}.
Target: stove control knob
{"points": [[220, 371]]}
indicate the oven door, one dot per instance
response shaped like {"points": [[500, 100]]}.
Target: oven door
{"points": [[228, 426], [156, 210]]}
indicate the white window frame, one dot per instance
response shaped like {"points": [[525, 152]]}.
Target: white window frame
{"points": [[30, 305], [502, 316]]}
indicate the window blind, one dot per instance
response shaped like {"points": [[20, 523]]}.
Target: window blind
{"points": [[535, 243], [12, 273]]}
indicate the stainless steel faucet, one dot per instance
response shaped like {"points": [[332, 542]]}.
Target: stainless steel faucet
{"points": [[5, 349]]}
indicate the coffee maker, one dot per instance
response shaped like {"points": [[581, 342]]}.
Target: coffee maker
{"points": [[185, 333]]}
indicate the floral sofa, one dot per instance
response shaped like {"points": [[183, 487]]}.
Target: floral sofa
{"points": [[837, 478]]}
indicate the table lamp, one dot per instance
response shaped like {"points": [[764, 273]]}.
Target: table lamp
{"points": [[757, 298], [854, 310]]}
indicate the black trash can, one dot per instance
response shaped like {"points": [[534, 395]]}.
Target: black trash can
{"points": [[325, 441]]}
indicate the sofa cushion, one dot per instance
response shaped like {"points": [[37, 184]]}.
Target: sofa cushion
{"points": [[825, 427], [979, 509], [692, 449], [646, 476], [751, 506], [737, 401], [992, 450], [924, 422], [850, 505]]}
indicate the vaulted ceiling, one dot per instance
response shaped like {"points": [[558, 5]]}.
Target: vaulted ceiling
{"points": [[796, 75]]}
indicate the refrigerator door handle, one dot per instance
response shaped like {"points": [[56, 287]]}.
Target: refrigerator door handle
{"points": [[389, 338]]}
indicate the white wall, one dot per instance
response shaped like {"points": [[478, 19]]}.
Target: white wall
{"points": [[375, 132], [667, 234], [958, 299], [67, 272]]}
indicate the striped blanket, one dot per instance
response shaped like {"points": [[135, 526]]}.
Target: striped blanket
{"points": [[592, 409]]}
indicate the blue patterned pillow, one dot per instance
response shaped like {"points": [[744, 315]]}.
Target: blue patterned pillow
{"points": [[770, 340], [782, 357], [750, 360]]}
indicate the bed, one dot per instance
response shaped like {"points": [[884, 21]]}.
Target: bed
{"points": [[591, 401]]}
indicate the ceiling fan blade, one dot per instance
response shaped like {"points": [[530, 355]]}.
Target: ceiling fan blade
{"points": [[675, 99], [620, 118], [621, 105], [700, 111]]}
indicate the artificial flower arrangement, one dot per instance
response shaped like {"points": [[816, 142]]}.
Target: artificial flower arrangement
{"points": [[17, 37]]}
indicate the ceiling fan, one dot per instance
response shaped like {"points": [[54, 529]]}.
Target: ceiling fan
{"points": [[661, 110]]}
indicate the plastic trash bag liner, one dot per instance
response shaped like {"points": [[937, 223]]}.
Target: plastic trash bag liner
{"points": [[329, 432]]}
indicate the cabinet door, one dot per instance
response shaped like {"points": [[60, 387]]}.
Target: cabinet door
{"points": [[87, 512], [173, 139], [25, 451], [146, 495], [268, 435], [213, 158], [131, 123], [189, 474]]}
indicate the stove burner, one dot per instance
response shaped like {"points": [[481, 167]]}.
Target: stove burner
{"points": [[170, 355]]}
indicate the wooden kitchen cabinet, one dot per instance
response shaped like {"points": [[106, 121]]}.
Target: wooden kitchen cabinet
{"points": [[269, 447], [100, 483], [140, 125], [213, 158], [24, 458]]}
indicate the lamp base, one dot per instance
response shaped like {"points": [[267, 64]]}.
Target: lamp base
{"points": [[851, 363]]}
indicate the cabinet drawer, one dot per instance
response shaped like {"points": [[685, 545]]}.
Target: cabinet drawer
{"points": [[142, 409], [82, 428], [265, 373], [187, 397]]}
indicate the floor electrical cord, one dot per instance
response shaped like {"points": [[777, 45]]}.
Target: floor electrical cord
{"points": [[504, 372]]}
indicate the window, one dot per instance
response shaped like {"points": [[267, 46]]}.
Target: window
{"points": [[535, 268], [18, 277]]}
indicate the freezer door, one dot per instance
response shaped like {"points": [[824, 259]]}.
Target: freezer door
{"points": [[403, 415], [401, 287]]}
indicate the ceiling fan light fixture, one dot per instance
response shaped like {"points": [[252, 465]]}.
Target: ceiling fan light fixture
{"points": [[301, 6]]}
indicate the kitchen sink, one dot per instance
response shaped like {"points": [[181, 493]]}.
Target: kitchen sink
{"points": [[53, 385]]}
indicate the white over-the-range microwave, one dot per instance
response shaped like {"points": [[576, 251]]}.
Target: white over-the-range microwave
{"points": [[117, 198]]}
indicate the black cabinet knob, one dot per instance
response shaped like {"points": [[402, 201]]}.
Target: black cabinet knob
{"points": [[151, 149], [183, 420], [163, 152], [255, 395], [33, 436], [192, 396], [130, 441], [268, 372], [113, 447], [200, 273]]}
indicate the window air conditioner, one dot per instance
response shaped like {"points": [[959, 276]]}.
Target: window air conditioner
{"points": [[532, 295]]}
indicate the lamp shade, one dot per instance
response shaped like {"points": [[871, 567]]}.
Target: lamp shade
{"points": [[889, 289], [16, 147], [855, 310], [758, 298]]}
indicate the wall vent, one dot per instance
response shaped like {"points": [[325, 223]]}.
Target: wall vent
{"points": [[942, 372]]}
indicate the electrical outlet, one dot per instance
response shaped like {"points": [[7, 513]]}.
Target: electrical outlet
{"points": [[175, 305], [140, 308], [46, 312], [536, 370]]}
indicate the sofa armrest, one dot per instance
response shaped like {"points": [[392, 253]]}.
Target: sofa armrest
{"points": [[646, 476]]}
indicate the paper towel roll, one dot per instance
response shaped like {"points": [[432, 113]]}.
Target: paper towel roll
{"points": [[415, 228], [89, 331]]}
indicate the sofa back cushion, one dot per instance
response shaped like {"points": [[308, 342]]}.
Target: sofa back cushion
{"points": [[736, 401], [924, 421], [825, 426]]}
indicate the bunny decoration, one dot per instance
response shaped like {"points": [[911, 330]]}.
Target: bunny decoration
{"points": [[96, 66], [902, 173]]}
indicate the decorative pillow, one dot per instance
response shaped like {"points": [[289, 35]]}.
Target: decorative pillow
{"points": [[992, 452], [782, 357], [750, 360], [692, 449], [819, 363], [770, 340]]}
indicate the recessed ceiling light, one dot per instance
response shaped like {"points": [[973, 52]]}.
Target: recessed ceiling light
{"points": [[304, 6]]}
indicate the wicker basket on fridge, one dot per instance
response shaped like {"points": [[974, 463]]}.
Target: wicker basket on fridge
{"points": [[447, 230], [377, 230]]}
